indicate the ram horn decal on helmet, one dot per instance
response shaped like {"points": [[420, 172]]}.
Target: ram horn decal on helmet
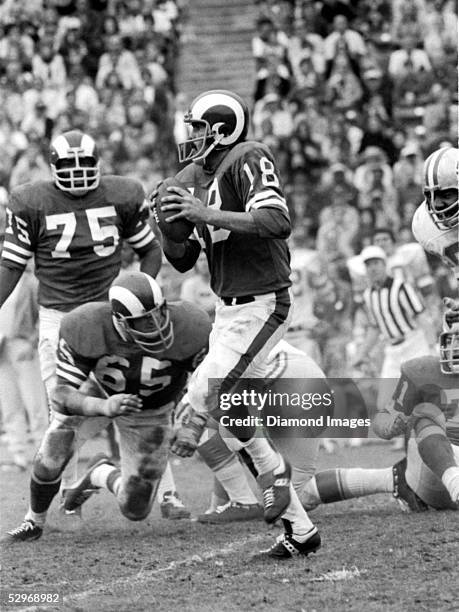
{"points": [[217, 120], [140, 312]]}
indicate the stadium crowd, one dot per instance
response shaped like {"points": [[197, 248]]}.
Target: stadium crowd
{"points": [[350, 96]]}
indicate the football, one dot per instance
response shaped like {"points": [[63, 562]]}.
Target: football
{"points": [[179, 230]]}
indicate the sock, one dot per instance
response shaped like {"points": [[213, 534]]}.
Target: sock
{"points": [[234, 480], [101, 474], [114, 481], [41, 495], [219, 495], [300, 522], [336, 485], [450, 479], [167, 483], [264, 457], [70, 473], [437, 453]]}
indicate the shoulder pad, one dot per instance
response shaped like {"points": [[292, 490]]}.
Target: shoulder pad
{"points": [[122, 190], [192, 327], [87, 329], [242, 150], [422, 370], [31, 195]]}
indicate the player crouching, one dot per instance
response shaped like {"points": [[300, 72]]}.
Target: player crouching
{"points": [[139, 350]]}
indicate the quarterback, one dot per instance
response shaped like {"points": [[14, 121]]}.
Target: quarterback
{"points": [[234, 197], [73, 226], [139, 350]]}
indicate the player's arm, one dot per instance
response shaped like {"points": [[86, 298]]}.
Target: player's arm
{"points": [[181, 255], [69, 401], [17, 249], [254, 178], [150, 260], [72, 372], [139, 234], [9, 278], [392, 420]]}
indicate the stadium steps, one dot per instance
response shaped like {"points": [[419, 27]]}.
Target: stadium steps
{"points": [[216, 49]]}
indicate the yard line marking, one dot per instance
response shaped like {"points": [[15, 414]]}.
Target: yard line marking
{"points": [[144, 574]]}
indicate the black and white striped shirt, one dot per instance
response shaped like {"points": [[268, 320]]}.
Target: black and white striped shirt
{"points": [[393, 308]]}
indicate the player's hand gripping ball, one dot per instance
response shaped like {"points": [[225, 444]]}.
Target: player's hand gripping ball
{"points": [[178, 230]]}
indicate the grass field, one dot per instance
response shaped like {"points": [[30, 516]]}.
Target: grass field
{"points": [[373, 558]]}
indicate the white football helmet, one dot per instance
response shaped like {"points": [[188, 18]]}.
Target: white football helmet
{"points": [[217, 119], [74, 162], [140, 313], [441, 177]]}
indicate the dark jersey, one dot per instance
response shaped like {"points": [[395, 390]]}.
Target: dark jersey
{"points": [[76, 241], [89, 343], [422, 381], [245, 181]]}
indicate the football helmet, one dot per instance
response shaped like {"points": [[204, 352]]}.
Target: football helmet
{"points": [[74, 162], [217, 119], [441, 177], [140, 313]]}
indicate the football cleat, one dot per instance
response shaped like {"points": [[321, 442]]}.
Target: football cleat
{"points": [[287, 547], [403, 493], [26, 532], [77, 513], [275, 486], [83, 489], [172, 507], [232, 512]]}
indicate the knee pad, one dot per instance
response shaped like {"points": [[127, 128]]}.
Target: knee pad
{"points": [[215, 452], [137, 498]]}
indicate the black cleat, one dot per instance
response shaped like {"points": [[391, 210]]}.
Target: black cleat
{"points": [[403, 493], [287, 547], [83, 489], [26, 532]]}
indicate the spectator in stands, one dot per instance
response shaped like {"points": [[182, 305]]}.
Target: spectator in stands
{"points": [[270, 51], [31, 165], [343, 90], [343, 40], [118, 59], [408, 60], [49, 65], [408, 175], [376, 99]]}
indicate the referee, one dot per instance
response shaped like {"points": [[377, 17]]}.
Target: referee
{"points": [[396, 313]]}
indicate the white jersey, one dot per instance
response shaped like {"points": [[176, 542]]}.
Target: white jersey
{"points": [[444, 243]]}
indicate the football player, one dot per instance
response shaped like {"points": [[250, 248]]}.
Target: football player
{"points": [[426, 400], [139, 349], [425, 404], [234, 197], [73, 225], [435, 222]]}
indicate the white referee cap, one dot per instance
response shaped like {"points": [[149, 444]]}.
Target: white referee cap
{"points": [[372, 252]]}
